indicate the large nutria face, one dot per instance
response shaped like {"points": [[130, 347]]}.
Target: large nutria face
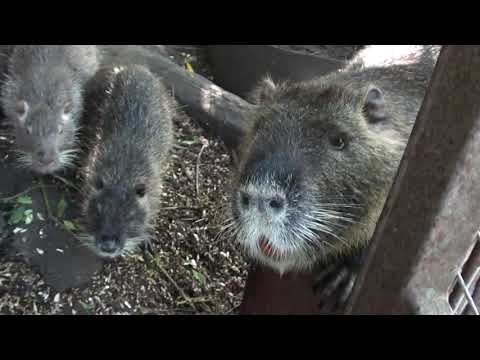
{"points": [[310, 169], [115, 217], [43, 108]]}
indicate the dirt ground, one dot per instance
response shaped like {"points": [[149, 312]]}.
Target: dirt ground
{"points": [[192, 271]]}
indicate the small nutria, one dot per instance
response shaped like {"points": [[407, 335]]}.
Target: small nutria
{"points": [[124, 168], [318, 161], [42, 97]]}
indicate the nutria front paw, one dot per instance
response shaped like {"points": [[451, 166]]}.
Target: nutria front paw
{"points": [[333, 284]]}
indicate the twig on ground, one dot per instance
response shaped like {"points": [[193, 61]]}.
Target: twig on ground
{"points": [[45, 200], [179, 289], [204, 145]]}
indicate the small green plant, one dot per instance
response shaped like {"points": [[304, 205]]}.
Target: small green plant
{"points": [[20, 212], [24, 200], [70, 226], [16, 215], [194, 141], [89, 308], [188, 60], [202, 280], [28, 216], [61, 207]]}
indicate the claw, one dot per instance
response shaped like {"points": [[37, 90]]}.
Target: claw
{"points": [[334, 284], [321, 276], [147, 250], [347, 290]]}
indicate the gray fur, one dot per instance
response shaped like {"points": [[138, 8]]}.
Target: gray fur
{"points": [[50, 80], [134, 138]]}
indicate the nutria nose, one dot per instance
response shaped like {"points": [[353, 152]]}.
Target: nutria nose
{"points": [[45, 158], [273, 205], [109, 243]]}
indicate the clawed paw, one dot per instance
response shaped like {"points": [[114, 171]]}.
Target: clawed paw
{"points": [[333, 286]]}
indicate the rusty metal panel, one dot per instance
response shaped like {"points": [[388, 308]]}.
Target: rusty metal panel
{"points": [[429, 224], [266, 293]]}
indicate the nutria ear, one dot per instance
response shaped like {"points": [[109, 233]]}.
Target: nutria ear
{"points": [[21, 109], [374, 105], [68, 107], [66, 113], [264, 92]]}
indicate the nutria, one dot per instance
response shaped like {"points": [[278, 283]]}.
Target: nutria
{"points": [[42, 98], [128, 157], [318, 161]]}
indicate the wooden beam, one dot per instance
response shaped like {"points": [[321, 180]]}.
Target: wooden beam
{"points": [[216, 110]]}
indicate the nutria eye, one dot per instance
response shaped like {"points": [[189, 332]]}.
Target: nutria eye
{"points": [[140, 190], [338, 142], [245, 199], [99, 184], [276, 204]]}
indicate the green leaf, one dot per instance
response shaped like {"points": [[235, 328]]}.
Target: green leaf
{"points": [[86, 307], [16, 215], [24, 200], [189, 67], [199, 277], [190, 142], [61, 207], [40, 217], [79, 227], [70, 226], [28, 214]]}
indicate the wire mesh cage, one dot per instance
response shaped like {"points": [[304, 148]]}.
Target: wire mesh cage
{"points": [[465, 295]]}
